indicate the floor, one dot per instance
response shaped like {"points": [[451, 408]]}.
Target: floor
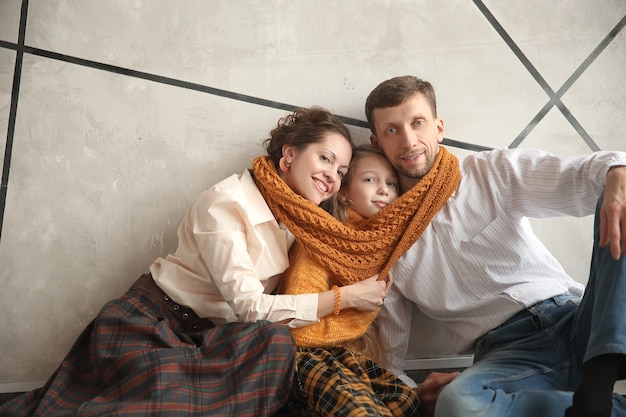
{"points": [[620, 386]]}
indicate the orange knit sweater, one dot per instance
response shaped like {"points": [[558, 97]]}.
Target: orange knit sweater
{"points": [[305, 276]]}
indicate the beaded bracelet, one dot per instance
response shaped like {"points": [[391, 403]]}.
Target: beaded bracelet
{"points": [[337, 299]]}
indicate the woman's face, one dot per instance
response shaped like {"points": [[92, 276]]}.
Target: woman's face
{"points": [[315, 172]]}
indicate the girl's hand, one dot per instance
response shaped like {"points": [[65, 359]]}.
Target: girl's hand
{"points": [[366, 295]]}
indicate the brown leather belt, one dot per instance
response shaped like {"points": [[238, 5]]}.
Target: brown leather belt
{"points": [[185, 315]]}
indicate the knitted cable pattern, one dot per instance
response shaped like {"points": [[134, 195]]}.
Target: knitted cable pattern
{"points": [[353, 254]]}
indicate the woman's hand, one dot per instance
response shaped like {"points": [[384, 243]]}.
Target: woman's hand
{"points": [[366, 295]]}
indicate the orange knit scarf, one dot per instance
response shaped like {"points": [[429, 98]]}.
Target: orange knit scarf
{"points": [[351, 254]]}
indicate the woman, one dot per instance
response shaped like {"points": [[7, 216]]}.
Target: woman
{"points": [[193, 336]]}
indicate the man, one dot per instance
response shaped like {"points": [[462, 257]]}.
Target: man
{"points": [[498, 292]]}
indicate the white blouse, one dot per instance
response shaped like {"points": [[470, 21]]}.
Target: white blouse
{"points": [[231, 254]]}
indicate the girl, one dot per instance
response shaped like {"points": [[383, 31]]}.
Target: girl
{"points": [[334, 380]]}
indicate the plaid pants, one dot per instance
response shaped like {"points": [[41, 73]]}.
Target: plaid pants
{"points": [[342, 383], [136, 358]]}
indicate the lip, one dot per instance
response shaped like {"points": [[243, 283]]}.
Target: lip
{"points": [[412, 157], [321, 186], [380, 203]]}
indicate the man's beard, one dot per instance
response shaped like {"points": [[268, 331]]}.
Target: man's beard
{"points": [[418, 173]]}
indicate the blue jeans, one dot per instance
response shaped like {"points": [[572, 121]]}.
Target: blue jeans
{"points": [[530, 366]]}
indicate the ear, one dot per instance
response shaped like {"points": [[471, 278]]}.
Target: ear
{"points": [[288, 152], [374, 141], [440, 130]]}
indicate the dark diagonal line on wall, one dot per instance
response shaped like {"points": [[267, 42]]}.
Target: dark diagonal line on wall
{"points": [[15, 92], [513, 46], [206, 89], [209, 90], [158, 79], [555, 97], [9, 45]]}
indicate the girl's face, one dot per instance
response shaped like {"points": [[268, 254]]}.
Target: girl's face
{"points": [[374, 185], [315, 172]]}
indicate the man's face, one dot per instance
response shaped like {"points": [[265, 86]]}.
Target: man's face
{"points": [[409, 135]]}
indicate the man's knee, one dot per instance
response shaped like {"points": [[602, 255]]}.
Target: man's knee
{"points": [[463, 398]]}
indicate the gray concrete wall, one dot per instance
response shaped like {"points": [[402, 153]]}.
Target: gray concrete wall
{"points": [[115, 114]]}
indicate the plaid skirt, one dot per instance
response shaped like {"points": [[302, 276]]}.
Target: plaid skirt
{"points": [[343, 383], [138, 357]]}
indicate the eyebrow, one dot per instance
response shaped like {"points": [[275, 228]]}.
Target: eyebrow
{"points": [[334, 155], [419, 115]]}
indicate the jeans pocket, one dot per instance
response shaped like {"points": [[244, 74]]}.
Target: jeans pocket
{"points": [[549, 312]]}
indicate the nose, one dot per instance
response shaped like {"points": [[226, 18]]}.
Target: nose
{"points": [[332, 177], [406, 138], [383, 189]]}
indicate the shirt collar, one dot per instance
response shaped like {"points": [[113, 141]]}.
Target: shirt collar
{"points": [[258, 210]]}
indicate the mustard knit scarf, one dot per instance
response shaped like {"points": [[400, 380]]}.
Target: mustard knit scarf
{"points": [[305, 276], [354, 254]]}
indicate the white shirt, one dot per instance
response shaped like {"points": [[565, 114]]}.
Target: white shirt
{"points": [[231, 253], [478, 262]]}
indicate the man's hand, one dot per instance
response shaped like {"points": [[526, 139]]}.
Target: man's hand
{"points": [[389, 281], [428, 391], [613, 212]]}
